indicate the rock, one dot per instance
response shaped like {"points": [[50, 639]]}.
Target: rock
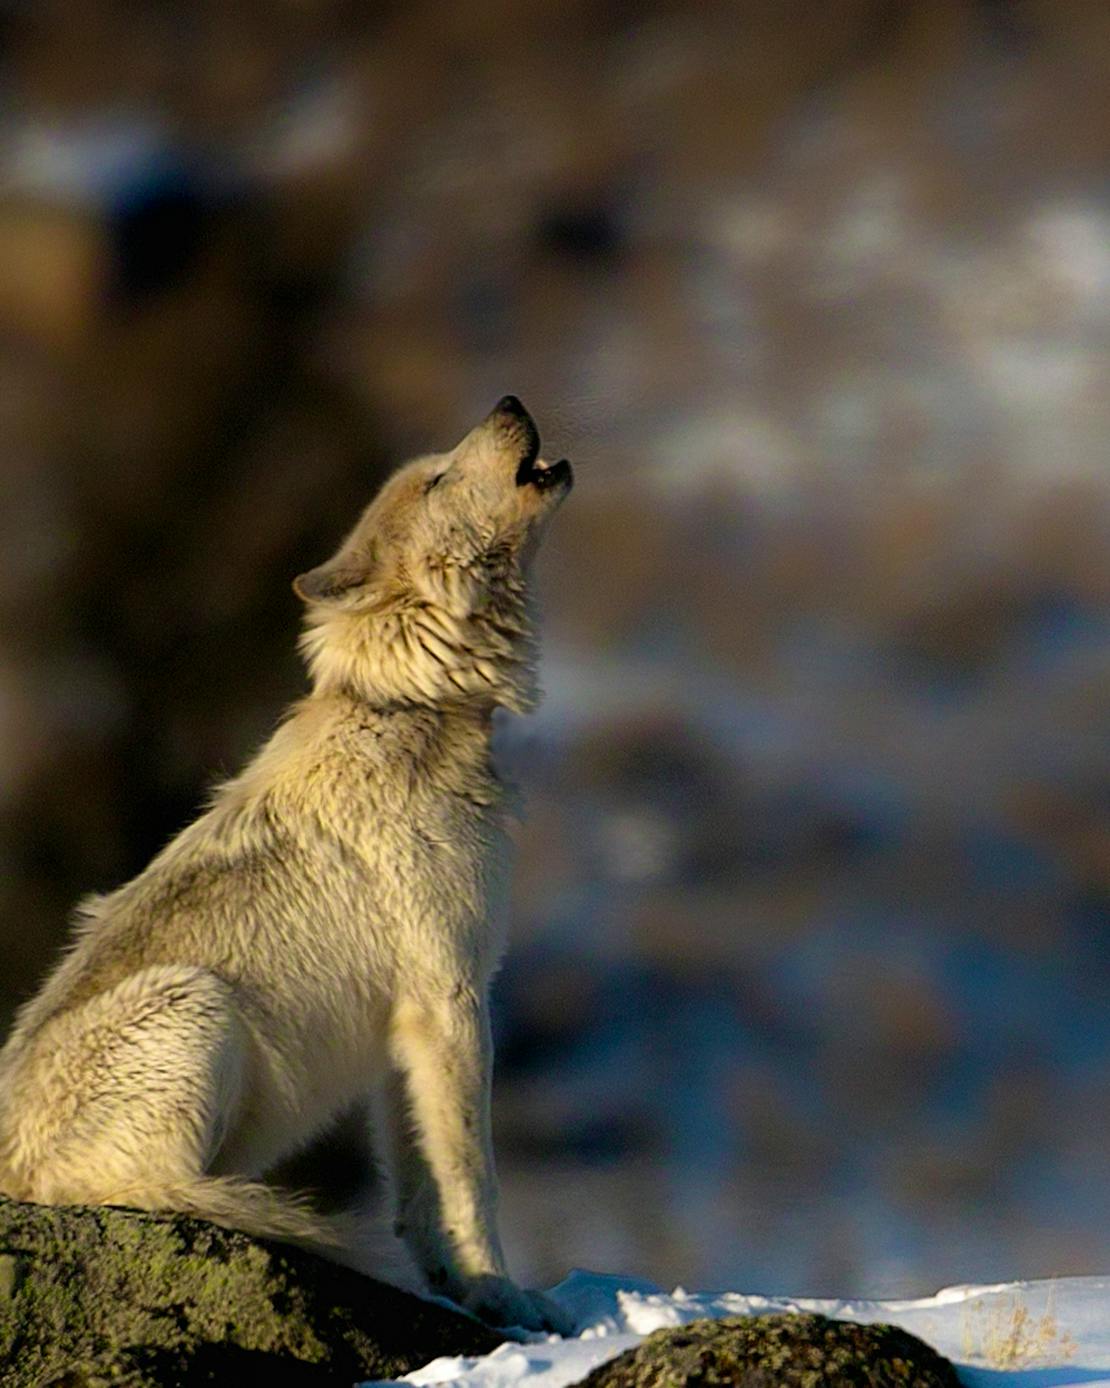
{"points": [[778, 1351], [91, 1297]]}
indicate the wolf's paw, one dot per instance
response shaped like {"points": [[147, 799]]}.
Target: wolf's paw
{"points": [[501, 1303]]}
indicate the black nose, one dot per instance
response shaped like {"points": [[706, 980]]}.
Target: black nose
{"points": [[509, 404]]}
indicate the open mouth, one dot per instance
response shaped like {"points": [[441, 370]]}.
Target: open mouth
{"points": [[531, 470], [543, 476]]}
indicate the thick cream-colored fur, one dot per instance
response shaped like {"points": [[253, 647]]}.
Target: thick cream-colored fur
{"points": [[325, 932]]}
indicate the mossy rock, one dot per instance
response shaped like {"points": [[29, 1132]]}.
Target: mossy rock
{"points": [[781, 1351], [98, 1297]]}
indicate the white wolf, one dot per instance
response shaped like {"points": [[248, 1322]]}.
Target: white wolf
{"points": [[326, 931]]}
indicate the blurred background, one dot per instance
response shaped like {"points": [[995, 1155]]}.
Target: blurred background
{"points": [[811, 967]]}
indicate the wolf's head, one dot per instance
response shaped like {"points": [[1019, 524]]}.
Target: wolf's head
{"points": [[426, 600]]}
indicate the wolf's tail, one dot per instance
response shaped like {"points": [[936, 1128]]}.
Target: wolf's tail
{"points": [[354, 1239], [256, 1209]]}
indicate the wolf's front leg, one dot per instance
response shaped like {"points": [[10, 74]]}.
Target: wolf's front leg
{"points": [[445, 1184]]}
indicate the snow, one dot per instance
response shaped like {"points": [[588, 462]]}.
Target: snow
{"points": [[1047, 1334]]}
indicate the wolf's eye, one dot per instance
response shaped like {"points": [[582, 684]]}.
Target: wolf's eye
{"points": [[433, 482]]}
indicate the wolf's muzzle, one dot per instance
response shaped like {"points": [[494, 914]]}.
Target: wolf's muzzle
{"points": [[514, 421]]}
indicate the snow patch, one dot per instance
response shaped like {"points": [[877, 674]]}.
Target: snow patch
{"points": [[1050, 1334]]}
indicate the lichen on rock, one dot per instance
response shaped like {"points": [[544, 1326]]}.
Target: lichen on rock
{"points": [[99, 1296], [777, 1351]]}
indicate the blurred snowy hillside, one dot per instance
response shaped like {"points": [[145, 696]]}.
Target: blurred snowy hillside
{"points": [[811, 980]]}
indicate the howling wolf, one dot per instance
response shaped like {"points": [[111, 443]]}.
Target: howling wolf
{"points": [[325, 933]]}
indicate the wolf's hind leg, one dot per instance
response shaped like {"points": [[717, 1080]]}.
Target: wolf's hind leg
{"points": [[127, 1097]]}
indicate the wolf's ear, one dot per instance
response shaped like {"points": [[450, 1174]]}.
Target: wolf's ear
{"points": [[336, 579]]}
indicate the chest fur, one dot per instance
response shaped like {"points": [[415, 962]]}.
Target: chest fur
{"points": [[410, 808]]}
